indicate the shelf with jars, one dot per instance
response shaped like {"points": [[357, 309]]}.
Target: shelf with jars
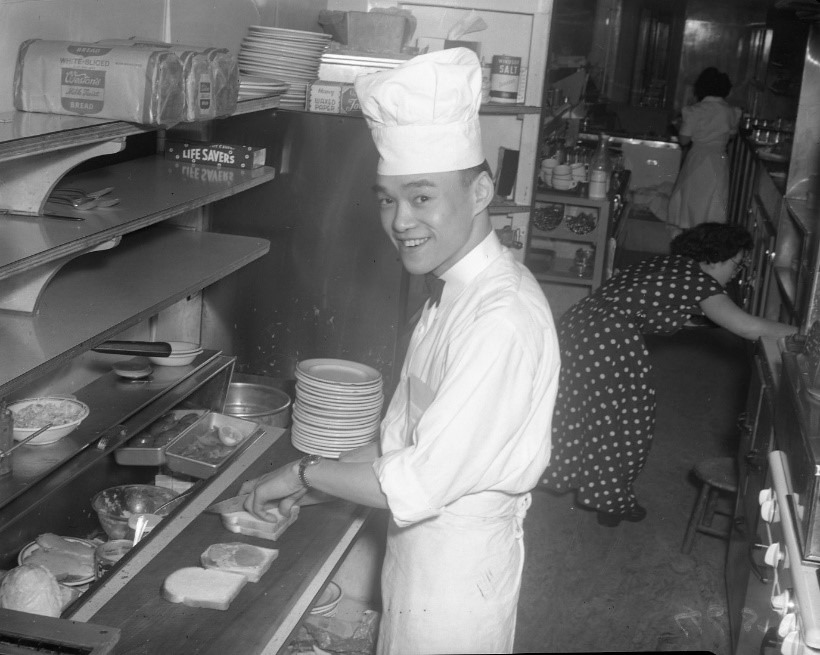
{"points": [[571, 246]]}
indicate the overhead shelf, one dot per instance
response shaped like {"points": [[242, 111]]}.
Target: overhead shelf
{"points": [[24, 134], [150, 189], [101, 294]]}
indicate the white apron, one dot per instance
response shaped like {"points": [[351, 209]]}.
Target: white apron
{"points": [[450, 584]]}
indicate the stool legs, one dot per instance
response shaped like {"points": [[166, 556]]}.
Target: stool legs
{"points": [[697, 515]]}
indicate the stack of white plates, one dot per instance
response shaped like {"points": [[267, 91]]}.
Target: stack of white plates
{"points": [[289, 56], [328, 601], [337, 406], [254, 86]]}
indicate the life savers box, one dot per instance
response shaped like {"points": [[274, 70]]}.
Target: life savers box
{"points": [[333, 98], [215, 154]]}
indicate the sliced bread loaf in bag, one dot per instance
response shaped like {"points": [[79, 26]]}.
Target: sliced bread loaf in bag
{"points": [[197, 75], [218, 90], [100, 81], [197, 587]]}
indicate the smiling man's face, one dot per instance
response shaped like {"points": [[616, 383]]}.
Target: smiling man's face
{"points": [[431, 218]]}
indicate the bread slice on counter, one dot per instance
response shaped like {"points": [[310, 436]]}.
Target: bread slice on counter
{"points": [[246, 559], [246, 523], [197, 587]]}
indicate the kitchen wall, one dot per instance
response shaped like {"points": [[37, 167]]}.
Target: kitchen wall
{"points": [[220, 23]]}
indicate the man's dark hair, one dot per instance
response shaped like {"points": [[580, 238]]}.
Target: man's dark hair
{"points": [[711, 82], [470, 174], [711, 242]]}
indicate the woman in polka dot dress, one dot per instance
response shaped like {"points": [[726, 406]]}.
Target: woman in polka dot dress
{"points": [[605, 411]]}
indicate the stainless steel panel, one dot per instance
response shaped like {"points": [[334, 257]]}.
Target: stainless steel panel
{"points": [[330, 285], [804, 168]]}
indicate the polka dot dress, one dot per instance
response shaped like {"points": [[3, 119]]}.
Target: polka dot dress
{"points": [[605, 411]]}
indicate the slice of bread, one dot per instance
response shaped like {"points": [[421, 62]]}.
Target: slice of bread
{"points": [[246, 559], [197, 587], [66, 567], [246, 523]]}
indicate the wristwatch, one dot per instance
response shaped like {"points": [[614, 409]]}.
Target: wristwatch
{"points": [[307, 460]]}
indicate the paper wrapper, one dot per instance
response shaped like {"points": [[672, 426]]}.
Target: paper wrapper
{"points": [[211, 77], [117, 82]]}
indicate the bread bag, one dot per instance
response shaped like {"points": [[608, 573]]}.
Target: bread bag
{"points": [[211, 76], [100, 81]]}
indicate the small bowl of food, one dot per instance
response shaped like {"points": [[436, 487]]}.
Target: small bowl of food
{"points": [[116, 505], [31, 414]]}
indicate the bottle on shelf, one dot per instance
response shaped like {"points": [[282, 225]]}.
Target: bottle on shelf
{"points": [[600, 169]]}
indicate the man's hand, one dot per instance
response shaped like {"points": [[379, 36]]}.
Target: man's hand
{"points": [[282, 486]]}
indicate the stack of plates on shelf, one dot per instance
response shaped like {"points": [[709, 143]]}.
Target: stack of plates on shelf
{"points": [[328, 601], [337, 406], [254, 86], [289, 56]]}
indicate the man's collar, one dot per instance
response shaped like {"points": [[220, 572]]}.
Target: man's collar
{"points": [[466, 269]]}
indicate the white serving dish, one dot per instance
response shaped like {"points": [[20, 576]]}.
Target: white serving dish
{"points": [[68, 582], [79, 411]]}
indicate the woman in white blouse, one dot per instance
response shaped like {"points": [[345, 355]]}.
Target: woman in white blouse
{"points": [[701, 192]]}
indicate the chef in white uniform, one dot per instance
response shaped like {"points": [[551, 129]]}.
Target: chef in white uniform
{"points": [[467, 432]]}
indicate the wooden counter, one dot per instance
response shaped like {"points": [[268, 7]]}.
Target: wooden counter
{"points": [[263, 616]]}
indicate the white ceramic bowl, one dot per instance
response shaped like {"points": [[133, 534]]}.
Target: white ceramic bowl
{"points": [[184, 347], [34, 413], [182, 359], [565, 186]]}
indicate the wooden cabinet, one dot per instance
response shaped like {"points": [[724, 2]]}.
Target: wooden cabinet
{"points": [[68, 283], [569, 249], [747, 575]]}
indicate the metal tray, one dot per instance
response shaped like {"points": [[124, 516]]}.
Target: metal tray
{"points": [[134, 455], [199, 452]]}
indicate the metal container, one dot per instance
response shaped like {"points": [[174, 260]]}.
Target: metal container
{"points": [[260, 399], [201, 449]]}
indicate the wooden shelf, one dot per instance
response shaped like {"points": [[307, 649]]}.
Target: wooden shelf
{"points": [[30, 241], [500, 206], [559, 272], [490, 109], [24, 134], [99, 295]]}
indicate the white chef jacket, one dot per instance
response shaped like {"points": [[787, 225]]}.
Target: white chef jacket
{"points": [[464, 439]]}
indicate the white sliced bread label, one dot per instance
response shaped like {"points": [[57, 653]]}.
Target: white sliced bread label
{"points": [[246, 559], [197, 587], [246, 523]]}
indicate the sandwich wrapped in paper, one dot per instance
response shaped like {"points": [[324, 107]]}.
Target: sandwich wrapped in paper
{"points": [[211, 76], [100, 81]]}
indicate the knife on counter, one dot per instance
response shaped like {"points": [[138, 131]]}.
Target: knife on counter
{"points": [[237, 503]]}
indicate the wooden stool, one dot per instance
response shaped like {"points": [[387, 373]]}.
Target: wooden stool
{"points": [[717, 475]]}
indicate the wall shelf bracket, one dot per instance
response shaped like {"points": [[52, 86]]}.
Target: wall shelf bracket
{"points": [[21, 293], [26, 182]]}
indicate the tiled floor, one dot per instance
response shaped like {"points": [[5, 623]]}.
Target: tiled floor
{"points": [[589, 588]]}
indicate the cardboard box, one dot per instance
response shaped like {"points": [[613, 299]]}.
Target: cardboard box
{"points": [[215, 154], [333, 98]]}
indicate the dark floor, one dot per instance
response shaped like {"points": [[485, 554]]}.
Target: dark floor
{"points": [[589, 588]]}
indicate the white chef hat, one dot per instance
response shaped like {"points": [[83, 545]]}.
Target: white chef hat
{"points": [[423, 114]]}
